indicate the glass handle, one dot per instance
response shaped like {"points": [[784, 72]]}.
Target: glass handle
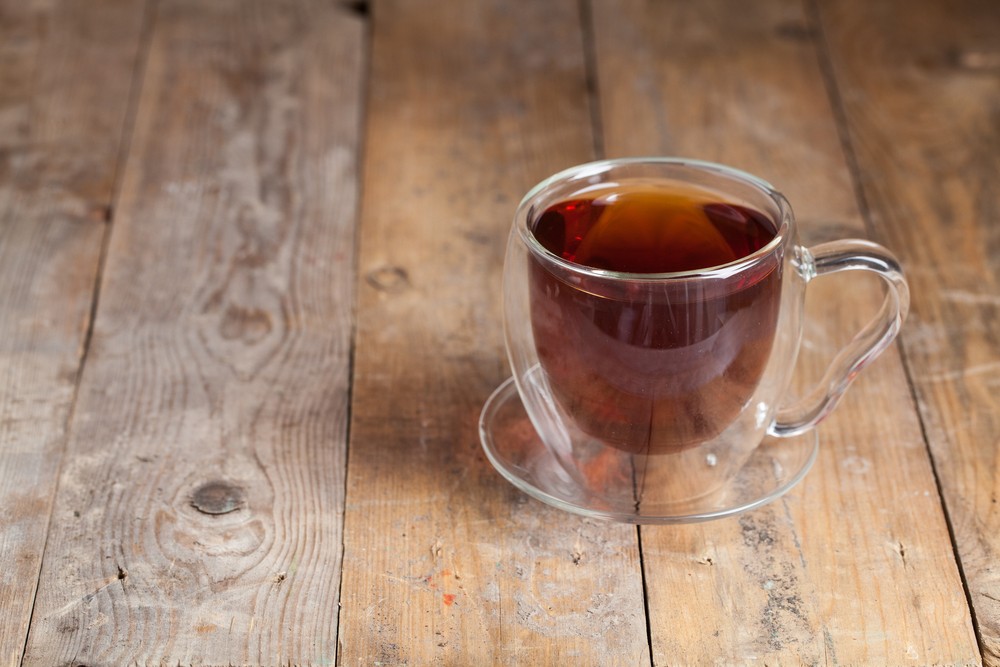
{"points": [[823, 259]]}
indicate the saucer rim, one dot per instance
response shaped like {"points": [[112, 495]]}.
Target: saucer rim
{"points": [[507, 390]]}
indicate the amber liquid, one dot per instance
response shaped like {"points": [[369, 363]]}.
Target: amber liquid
{"points": [[654, 366]]}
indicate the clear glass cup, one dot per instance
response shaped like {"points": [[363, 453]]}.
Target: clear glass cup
{"points": [[652, 390]]}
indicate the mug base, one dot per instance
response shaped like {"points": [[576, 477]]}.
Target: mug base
{"points": [[515, 450]]}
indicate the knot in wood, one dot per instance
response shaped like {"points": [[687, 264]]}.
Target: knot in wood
{"points": [[388, 279], [251, 325], [218, 497]]}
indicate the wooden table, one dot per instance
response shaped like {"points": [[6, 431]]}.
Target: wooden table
{"points": [[249, 265]]}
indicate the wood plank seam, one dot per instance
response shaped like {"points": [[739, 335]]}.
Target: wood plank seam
{"points": [[586, 14], [362, 9], [645, 593], [593, 78], [124, 141], [850, 155]]}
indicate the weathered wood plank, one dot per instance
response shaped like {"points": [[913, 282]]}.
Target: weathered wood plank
{"points": [[198, 518], [855, 566], [65, 78], [471, 103], [920, 87]]}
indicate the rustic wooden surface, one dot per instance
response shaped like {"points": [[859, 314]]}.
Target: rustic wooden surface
{"points": [[921, 95], [65, 82], [468, 107], [754, 97], [238, 402], [198, 516]]}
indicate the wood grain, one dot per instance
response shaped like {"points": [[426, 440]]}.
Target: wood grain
{"points": [[855, 566], [922, 103], [65, 79], [198, 518], [471, 103]]}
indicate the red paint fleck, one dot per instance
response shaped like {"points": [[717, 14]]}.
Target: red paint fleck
{"points": [[449, 598], [445, 573]]}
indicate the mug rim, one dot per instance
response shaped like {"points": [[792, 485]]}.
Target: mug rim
{"points": [[727, 270]]}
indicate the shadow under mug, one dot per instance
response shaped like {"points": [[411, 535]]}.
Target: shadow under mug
{"points": [[656, 388]]}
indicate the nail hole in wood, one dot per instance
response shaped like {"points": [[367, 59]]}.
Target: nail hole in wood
{"points": [[359, 7], [101, 213]]}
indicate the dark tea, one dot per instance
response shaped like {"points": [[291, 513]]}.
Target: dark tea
{"points": [[645, 363]]}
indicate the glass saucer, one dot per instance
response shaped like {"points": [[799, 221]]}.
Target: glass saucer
{"points": [[515, 450]]}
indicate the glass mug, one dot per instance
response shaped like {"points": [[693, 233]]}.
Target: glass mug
{"points": [[652, 388]]}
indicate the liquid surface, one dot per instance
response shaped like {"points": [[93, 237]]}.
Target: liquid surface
{"points": [[645, 228]]}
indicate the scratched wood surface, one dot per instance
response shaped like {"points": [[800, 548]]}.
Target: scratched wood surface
{"points": [[228, 437], [747, 89], [444, 562], [921, 95], [65, 80], [198, 515]]}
